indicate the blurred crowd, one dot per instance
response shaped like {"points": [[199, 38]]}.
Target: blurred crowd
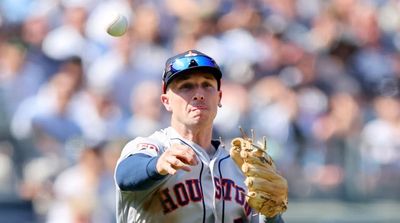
{"points": [[320, 79]]}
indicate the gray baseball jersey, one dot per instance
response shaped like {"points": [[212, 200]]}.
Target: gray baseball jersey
{"points": [[213, 191]]}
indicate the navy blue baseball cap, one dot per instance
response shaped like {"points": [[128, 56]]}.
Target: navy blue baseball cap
{"points": [[187, 62]]}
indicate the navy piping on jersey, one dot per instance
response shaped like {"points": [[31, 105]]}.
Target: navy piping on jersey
{"points": [[202, 194], [201, 185], [222, 188]]}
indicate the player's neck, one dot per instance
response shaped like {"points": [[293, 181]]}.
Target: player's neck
{"points": [[198, 135]]}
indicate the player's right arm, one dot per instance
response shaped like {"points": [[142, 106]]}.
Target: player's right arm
{"points": [[142, 165], [175, 158], [137, 172]]}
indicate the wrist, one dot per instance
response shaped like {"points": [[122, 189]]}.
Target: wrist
{"points": [[152, 169]]}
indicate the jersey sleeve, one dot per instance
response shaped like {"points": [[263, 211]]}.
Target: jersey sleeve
{"points": [[146, 146], [141, 155]]}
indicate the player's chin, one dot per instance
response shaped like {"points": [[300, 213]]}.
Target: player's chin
{"points": [[198, 112], [203, 113], [200, 116]]}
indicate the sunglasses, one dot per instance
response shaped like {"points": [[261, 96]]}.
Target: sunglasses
{"points": [[189, 61], [183, 63]]}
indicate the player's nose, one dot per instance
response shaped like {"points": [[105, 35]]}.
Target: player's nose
{"points": [[198, 95]]}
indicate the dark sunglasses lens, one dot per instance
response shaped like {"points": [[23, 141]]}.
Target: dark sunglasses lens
{"points": [[205, 61], [180, 64], [184, 63]]}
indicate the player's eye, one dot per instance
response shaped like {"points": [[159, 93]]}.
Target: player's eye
{"points": [[186, 86], [207, 85]]}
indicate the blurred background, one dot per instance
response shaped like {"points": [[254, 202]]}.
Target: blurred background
{"points": [[319, 78]]}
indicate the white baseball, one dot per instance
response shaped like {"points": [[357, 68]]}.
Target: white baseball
{"points": [[119, 26]]}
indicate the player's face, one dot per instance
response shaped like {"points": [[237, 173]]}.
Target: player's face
{"points": [[193, 99]]}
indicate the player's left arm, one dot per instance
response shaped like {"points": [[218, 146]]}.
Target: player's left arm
{"points": [[267, 189]]}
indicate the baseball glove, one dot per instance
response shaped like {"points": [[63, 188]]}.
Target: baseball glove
{"points": [[267, 190]]}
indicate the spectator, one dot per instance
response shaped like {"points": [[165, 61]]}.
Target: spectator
{"points": [[146, 110], [319, 78], [76, 189]]}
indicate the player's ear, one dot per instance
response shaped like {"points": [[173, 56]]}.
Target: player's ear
{"points": [[220, 97], [165, 101]]}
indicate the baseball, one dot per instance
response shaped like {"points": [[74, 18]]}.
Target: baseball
{"points": [[118, 27]]}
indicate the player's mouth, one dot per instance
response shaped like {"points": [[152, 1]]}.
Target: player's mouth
{"points": [[198, 107]]}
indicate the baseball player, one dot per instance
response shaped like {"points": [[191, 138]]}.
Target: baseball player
{"points": [[179, 174]]}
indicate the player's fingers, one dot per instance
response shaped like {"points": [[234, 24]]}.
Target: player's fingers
{"points": [[169, 169], [165, 168], [177, 164], [164, 164], [184, 167], [187, 159], [185, 154]]}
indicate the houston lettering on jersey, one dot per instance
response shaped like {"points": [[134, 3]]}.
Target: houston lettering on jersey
{"points": [[229, 190], [181, 194]]}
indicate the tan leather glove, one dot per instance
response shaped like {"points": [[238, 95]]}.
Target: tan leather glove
{"points": [[267, 190]]}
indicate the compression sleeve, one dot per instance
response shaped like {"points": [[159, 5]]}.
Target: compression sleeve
{"points": [[137, 172]]}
